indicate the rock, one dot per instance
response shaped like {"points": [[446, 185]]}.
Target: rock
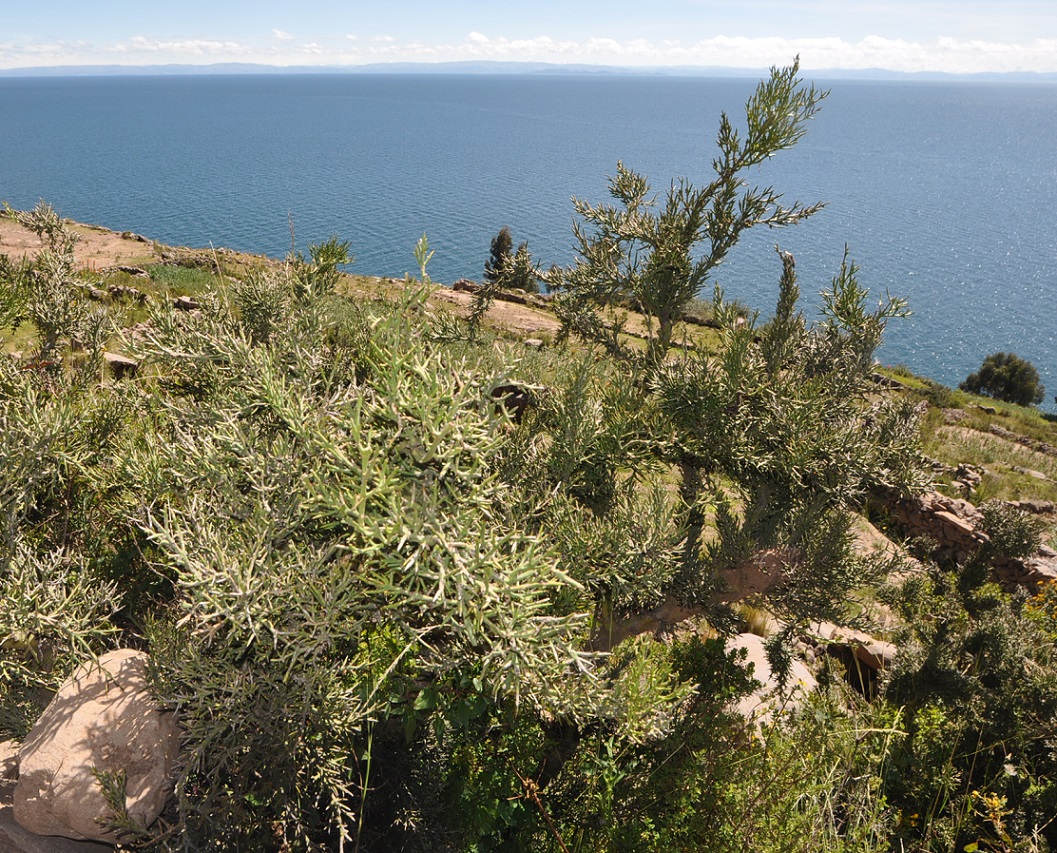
{"points": [[1023, 440], [770, 698], [98, 295], [961, 526], [757, 575], [876, 654], [1030, 472], [514, 399], [661, 621], [185, 303], [464, 284], [15, 839], [885, 381], [122, 291], [863, 656], [8, 762], [517, 297], [121, 366], [534, 343], [968, 476], [103, 718], [135, 272], [1035, 507]]}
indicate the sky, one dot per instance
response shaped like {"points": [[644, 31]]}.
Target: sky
{"points": [[954, 36]]}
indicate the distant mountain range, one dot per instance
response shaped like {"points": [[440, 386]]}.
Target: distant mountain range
{"points": [[492, 67]]}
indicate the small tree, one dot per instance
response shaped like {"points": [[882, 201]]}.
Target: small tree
{"points": [[522, 274], [508, 269], [656, 259], [1008, 377], [502, 254]]}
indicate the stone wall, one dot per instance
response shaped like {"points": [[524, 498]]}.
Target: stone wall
{"points": [[954, 524]]}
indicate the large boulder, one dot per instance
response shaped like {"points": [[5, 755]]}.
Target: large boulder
{"points": [[102, 719], [13, 838]]}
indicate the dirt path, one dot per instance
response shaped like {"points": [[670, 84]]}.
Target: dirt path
{"points": [[97, 247]]}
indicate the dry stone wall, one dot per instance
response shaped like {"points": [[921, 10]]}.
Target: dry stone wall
{"points": [[954, 524]]}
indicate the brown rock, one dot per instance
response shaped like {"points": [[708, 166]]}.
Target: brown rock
{"points": [[102, 719], [8, 761], [761, 573], [875, 654], [121, 366], [960, 526]]}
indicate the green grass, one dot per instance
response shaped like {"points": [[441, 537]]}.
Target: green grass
{"points": [[181, 281]]}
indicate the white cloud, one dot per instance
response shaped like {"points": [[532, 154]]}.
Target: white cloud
{"points": [[185, 47], [943, 54]]}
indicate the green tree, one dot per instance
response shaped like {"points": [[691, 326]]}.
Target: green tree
{"points": [[510, 270], [502, 254], [1007, 377], [522, 273], [752, 427], [655, 260]]}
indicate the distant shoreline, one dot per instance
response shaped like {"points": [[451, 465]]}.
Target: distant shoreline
{"points": [[512, 68]]}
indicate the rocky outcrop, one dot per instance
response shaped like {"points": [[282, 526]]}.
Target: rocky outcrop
{"points": [[864, 657], [1023, 440], [1030, 572], [102, 720], [121, 366], [759, 574], [186, 303]]}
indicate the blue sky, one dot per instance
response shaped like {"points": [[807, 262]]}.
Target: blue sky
{"points": [[905, 35]]}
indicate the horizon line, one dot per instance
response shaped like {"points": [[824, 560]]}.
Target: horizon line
{"points": [[484, 66]]}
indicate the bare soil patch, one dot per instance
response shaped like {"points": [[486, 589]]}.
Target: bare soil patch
{"points": [[523, 320], [96, 249]]}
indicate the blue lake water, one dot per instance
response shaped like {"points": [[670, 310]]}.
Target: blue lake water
{"points": [[945, 193]]}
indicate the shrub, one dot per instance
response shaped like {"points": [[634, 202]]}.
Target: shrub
{"points": [[1007, 377]]}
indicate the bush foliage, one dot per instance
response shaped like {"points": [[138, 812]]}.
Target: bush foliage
{"points": [[395, 611], [1007, 377]]}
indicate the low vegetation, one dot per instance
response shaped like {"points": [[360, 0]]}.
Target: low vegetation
{"points": [[400, 576]]}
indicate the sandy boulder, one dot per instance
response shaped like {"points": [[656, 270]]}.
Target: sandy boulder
{"points": [[103, 718]]}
